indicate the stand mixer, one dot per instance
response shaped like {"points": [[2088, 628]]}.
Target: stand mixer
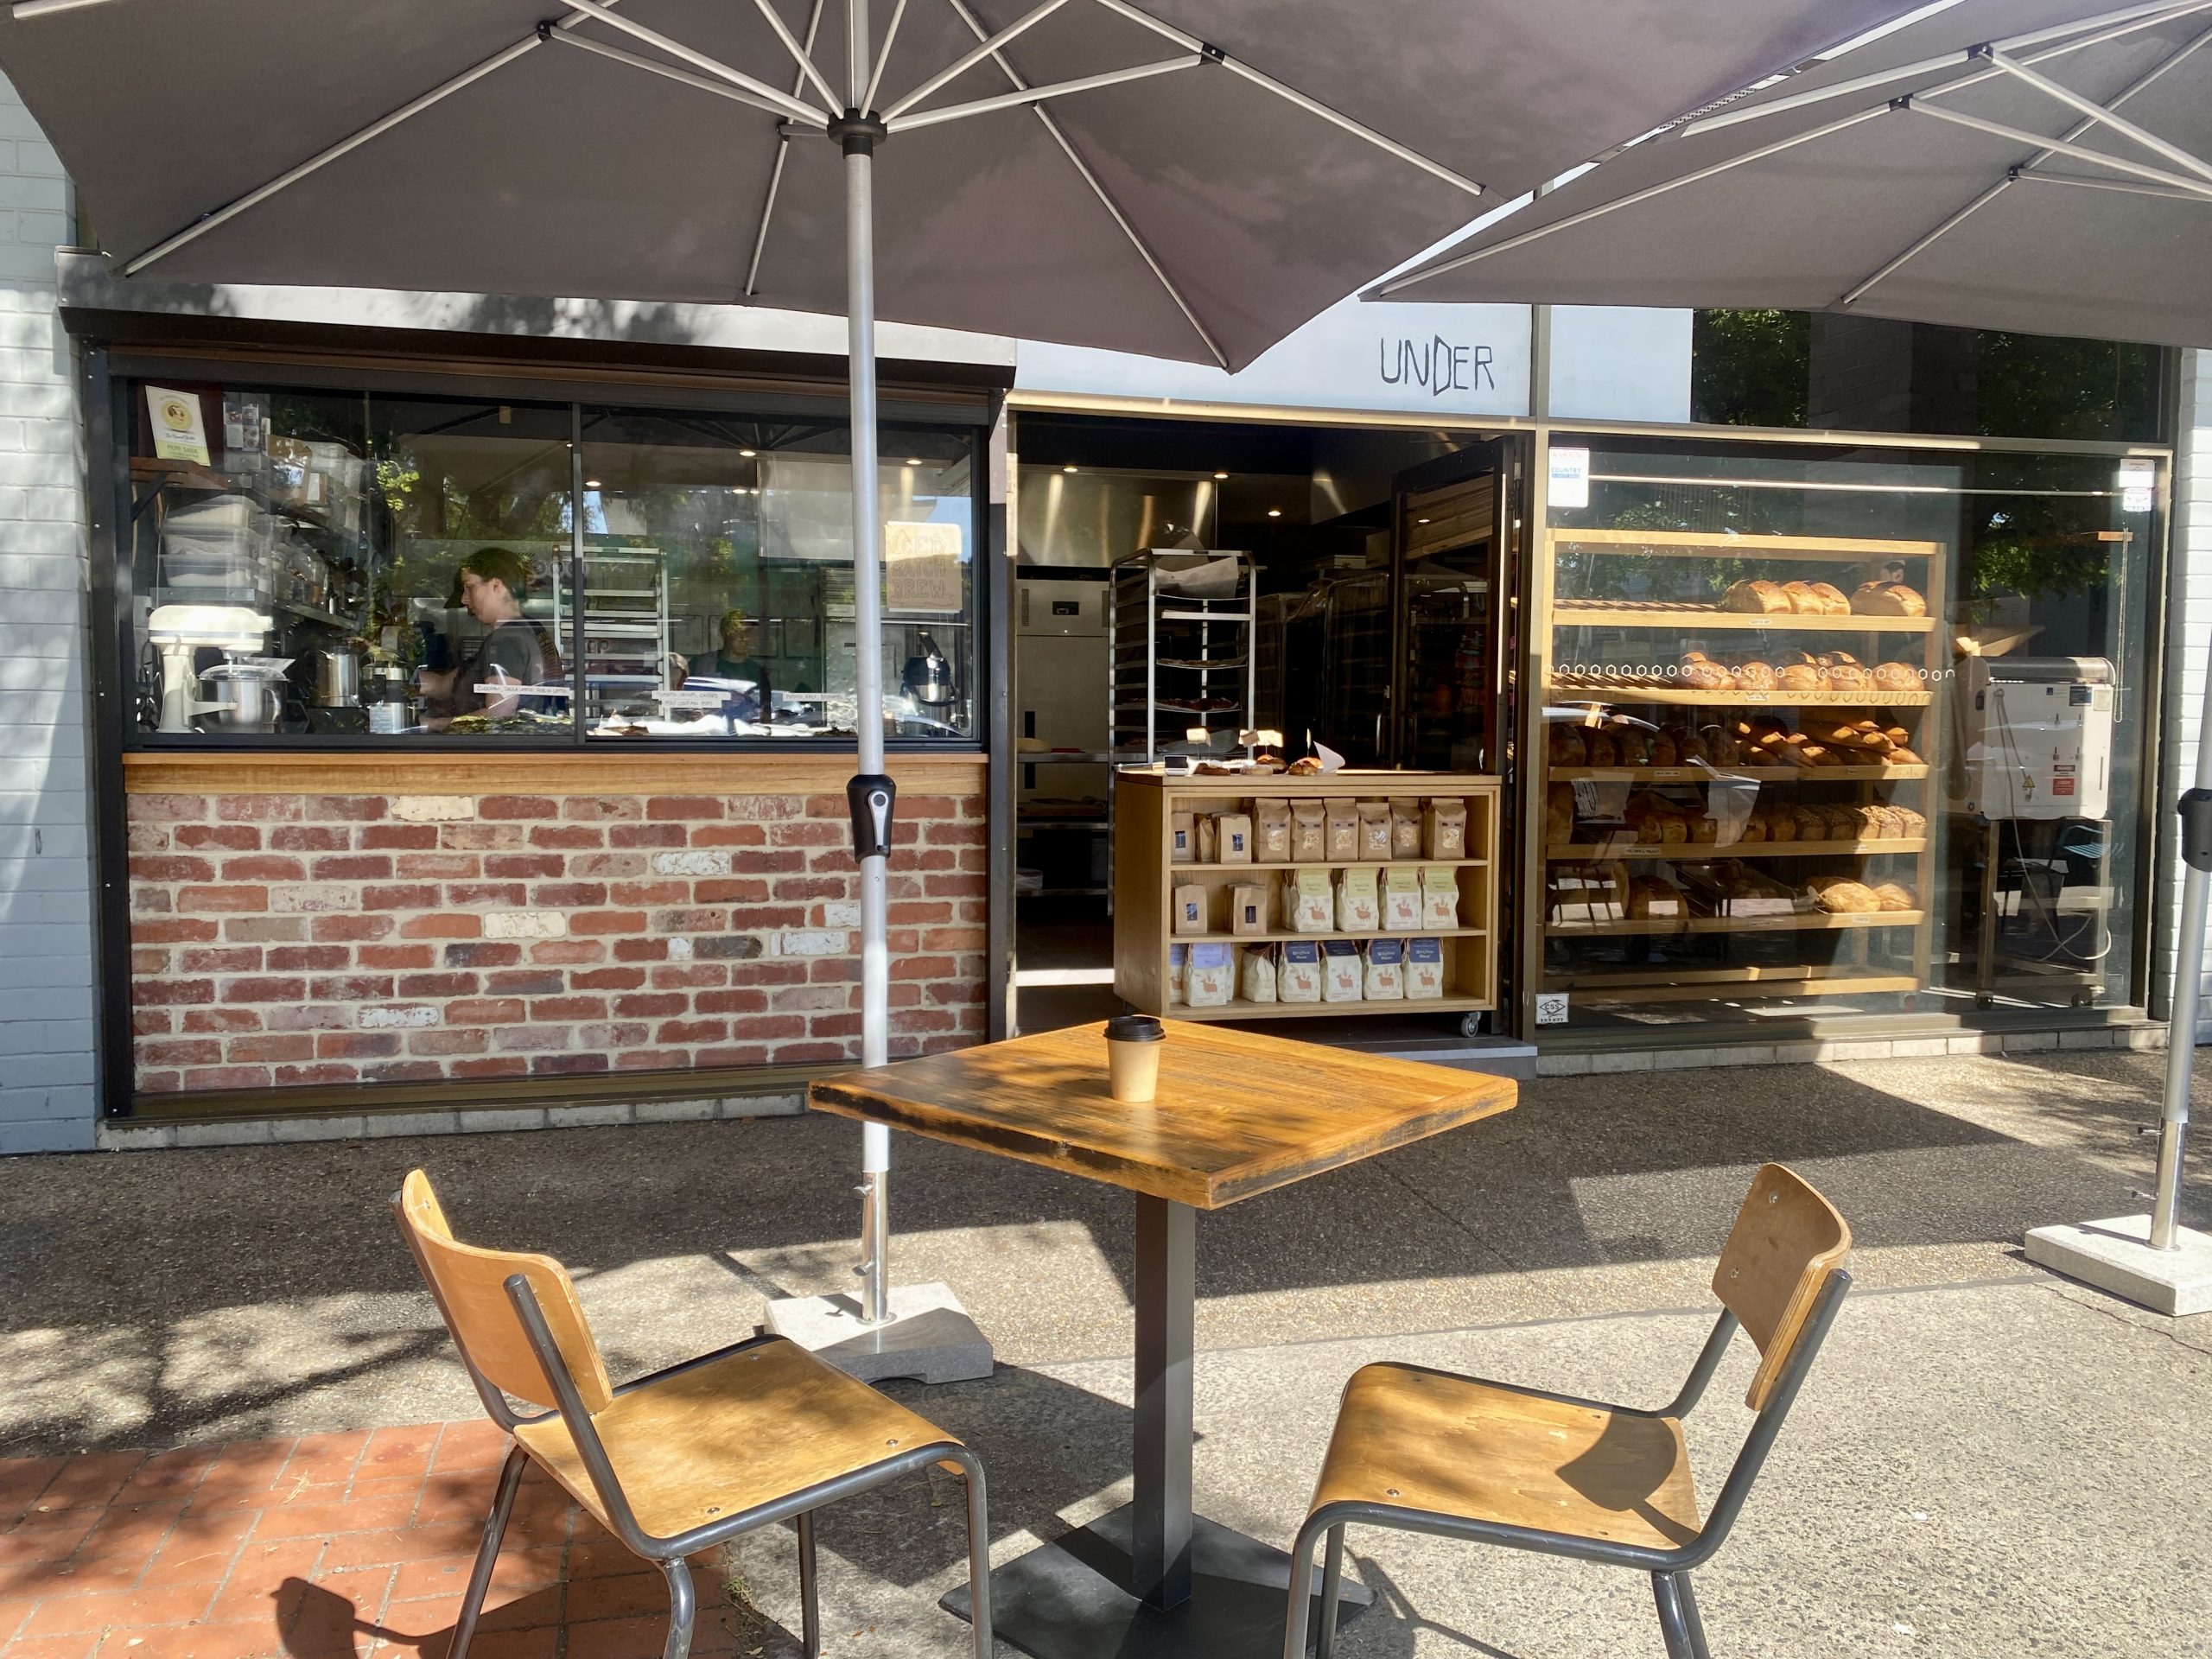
{"points": [[178, 632]]}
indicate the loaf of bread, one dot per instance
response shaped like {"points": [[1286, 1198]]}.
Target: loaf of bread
{"points": [[1896, 676], [1817, 599], [1634, 745], [1911, 824], [1887, 599], [1757, 827], [1691, 750], [1756, 598], [1890, 896], [1656, 821], [1653, 901], [1602, 749], [1566, 747], [1846, 673], [1701, 673], [1841, 896], [1780, 823], [1839, 823], [1901, 758], [1755, 676], [1666, 750], [1559, 814], [1808, 824], [1799, 676]]}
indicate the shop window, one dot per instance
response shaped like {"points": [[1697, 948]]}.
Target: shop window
{"points": [[330, 564], [1831, 732], [716, 599], [1869, 374]]}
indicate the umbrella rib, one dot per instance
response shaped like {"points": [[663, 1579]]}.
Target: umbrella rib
{"points": [[883, 52], [2025, 170], [2099, 114], [2165, 193], [783, 101], [806, 64], [1098, 189], [1037, 94], [1726, 164], [776, 171], [1292, 95], [1021, 25], [2054, 146], [669, 72], [321, 159], [2107, 26]]}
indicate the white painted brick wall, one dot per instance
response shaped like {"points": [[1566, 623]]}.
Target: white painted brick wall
{"points": [[2192, 602], [48, 1078]]}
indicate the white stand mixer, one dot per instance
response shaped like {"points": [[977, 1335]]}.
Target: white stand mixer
{"points": [[178, 632]]}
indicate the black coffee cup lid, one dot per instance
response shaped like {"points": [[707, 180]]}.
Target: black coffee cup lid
{"points": [[1135, 1028]]}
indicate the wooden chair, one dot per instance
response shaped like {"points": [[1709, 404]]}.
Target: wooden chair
{"points": [[683, 1459], [1426, 1450]]}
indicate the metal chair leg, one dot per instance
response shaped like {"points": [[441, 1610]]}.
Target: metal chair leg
{"points": [[1332, 1583], [810, 1601], [979, 1554], [1302, 1592], [683, 1609], [487, 1553], [1678, 1619]]}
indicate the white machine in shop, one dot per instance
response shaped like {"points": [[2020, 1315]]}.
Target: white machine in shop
{"points": [[2040, 743], [178, 632]]}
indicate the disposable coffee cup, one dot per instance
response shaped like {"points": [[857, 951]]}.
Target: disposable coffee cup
{"points": [[1133, 1057]]}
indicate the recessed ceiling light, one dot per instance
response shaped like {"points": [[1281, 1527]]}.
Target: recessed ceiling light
{"points": [[1067, 470], [1275, 512], [1420, 521], [1221, 475], [914, 460], [591, 483], [748, 454]]}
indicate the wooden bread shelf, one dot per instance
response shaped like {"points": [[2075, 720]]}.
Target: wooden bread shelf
{"points": [[1686, 697], [1579, 613], [1732, 774], [1700, 851], [1875, 952], [1145, 877], [1811, 921], [1240, 1009]]}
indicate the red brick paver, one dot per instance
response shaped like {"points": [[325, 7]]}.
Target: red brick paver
{"points": [[326, 1547]]}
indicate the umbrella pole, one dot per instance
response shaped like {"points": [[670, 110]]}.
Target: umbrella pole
{"points": [[2188, 974], [872, 792]]}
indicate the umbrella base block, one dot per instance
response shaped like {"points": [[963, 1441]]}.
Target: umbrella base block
{"points": [[1070, 1598], [928, 1337], [2116, 1256]]}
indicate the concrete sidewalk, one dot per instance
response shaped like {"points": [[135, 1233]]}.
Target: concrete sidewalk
{"points": [[1988, 1462]]}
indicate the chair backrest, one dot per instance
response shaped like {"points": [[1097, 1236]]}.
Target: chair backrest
{"points": [[471, 1287], [1786, 1241]]}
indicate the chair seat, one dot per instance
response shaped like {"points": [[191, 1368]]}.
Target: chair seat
{"points": [[724, 1437], [1427, 1441]]}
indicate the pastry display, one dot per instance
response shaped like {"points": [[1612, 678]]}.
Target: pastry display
{"points": [[1887, 599]]}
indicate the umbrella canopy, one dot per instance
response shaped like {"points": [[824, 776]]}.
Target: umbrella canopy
{"points": [[1221, 171], [2038, 165]]}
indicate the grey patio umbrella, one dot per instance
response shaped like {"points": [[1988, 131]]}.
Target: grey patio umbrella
{"points": [[2038, 165], [1189, 178]]}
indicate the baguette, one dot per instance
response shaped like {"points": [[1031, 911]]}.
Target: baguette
{"points": [[1902, 758]]}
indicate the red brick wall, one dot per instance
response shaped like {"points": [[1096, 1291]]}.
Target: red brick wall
{"points": [[312, 939]]}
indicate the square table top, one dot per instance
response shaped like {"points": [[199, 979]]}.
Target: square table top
{"points": [[1237, 1113]]}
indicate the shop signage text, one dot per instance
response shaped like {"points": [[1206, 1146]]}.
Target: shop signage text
{"points": [[1437, 364]]}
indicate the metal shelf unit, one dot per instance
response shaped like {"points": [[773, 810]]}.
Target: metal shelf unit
{"points": [[1172, 653], [625, 636]]}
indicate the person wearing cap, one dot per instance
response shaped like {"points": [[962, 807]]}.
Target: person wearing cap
{"points": [[489, 586], [737, 661]]}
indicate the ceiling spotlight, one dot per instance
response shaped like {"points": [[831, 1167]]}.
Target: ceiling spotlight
{"points": [[1275, 512], [914, 460], [1420, 521], [1221, 475], [591, 483], [748, 454], [1067, 470]]}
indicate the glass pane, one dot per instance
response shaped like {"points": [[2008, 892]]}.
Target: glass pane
{"points": [[329, 562], [717, 589], [1833, 731]]}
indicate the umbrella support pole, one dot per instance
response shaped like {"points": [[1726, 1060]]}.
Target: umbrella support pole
{"points": [[2153, 1259], [923, 1331]]}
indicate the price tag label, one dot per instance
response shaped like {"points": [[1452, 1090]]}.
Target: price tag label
{"points": [[692, 699]]}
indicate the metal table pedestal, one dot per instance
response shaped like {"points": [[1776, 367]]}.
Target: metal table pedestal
{"points": [[1151, 1578]]}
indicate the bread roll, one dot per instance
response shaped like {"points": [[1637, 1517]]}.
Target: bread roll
{"points": [[1892, 896], [1839, 895], [1896, 677], [1887, 599], [1756, 598], [1801, 677], [1755, 676]]}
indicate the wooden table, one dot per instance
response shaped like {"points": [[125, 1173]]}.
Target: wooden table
{"points": [[1237, 1115]]}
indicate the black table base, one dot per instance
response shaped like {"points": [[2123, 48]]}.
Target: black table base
{"points": [[1073, 1599]]}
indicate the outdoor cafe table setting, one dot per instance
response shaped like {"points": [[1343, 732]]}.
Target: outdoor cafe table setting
{"points": [[1232, 1114]]}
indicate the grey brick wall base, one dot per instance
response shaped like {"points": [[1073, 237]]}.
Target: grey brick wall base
{"points": [[265, 1131]]}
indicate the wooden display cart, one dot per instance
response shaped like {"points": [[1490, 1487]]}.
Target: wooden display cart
{"points": [[1146, 875], [1856, 957]]}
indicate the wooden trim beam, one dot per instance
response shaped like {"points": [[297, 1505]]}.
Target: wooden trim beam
{"points": [[456, 771]]}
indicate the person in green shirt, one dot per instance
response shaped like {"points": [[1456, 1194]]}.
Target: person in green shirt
{"points": [[737, 661]]}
